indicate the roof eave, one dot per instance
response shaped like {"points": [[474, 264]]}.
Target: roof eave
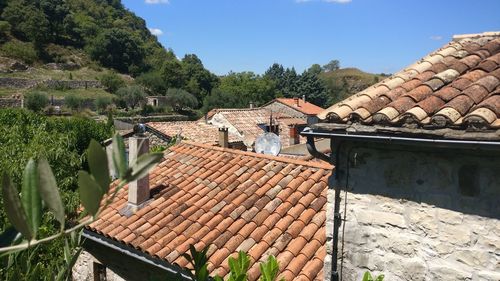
{"points": [[442, 137]]}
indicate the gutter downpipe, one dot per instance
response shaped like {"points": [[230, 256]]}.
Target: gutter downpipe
{"points": [[311, 147], [99, 239]]}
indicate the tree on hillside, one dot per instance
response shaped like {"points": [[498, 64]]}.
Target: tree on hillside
{"points": [[291, 80], [28, 22], [199, 81], [172, 74], [153, 83], [133, 96], [180, 99], [331, 66], [248, 87], [118, 49], [315, 69], [220, 99], [313, 88]]}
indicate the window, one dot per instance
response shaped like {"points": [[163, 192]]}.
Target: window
{"points": [[99, 272]]}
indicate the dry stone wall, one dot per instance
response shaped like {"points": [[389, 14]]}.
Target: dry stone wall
{"points": [[22, 83], [406, 214]]}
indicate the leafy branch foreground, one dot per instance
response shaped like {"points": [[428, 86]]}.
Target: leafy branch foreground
{"points": [[39, 189]]}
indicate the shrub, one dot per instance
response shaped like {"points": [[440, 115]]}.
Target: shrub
{"points": [[101, 103], [147, 109], [112, 82], [4, 29], [73, 101], [36, 100], [20, 50]]}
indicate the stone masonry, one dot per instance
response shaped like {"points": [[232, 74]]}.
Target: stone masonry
{"points": [[406, 214]]}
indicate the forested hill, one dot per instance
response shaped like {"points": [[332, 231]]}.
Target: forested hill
{"points": [[103, 33]]}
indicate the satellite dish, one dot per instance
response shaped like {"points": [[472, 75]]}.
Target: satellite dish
{"points": [[268, 143]]}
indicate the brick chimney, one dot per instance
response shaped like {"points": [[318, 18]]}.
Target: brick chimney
{"points": [[293, 135], [297, 100], [223, 137], [138, 190]]}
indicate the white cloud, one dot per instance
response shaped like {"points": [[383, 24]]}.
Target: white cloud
{"points": [[436, 37], [156, 31], [156, 1]]}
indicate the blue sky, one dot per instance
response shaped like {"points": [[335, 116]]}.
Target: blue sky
{"points": [[373, 35]]}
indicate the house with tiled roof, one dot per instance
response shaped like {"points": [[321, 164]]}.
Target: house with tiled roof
{"points": [[295, 107], [226, 199], [196, 131], [416, 189], [250, 123]]}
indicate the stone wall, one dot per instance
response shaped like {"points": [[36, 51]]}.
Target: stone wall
{"points": [[417, 214], [71, 84], [21, 83], [10, 102], [17, 83], [119, 266]]}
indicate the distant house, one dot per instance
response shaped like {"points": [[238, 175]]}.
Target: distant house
{"points": [[295, 107], [249, 123], [226, 199], [417, 161], [156, 101], [195, 131]]}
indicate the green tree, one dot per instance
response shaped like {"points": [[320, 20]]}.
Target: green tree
{"points": [[313, 88], [180, 99], [248, 87], [102, 103], [36, 100], [118, 49], [220, 99], [172, 74], [153, 83], [199, 80], [331, 66], [133, 96], [112, 82]]}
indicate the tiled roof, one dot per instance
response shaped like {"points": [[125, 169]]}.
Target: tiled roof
{"points": [[456, 87], [303, 106], [197, 131], [231, 200], [246, 121]]}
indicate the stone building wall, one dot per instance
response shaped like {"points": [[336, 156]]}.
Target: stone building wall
{"points": [[279, 107], [417, 214]]}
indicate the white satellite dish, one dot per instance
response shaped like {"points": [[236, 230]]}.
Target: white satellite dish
{"points": [[268, 143]]}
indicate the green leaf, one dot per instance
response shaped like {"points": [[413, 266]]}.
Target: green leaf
{"points": [[98, 163], [119, 160], [14, 209], [30, 196], [144, 164], [49, 191], [367, 276], [90, 192], [380, 277]]}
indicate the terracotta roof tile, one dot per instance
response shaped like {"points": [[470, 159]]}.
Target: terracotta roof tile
{"points": [[253, 217], [305, 107], [451, 84]]}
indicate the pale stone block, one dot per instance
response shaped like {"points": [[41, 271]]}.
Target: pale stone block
{"points": [[450, 217], [380, 218]]}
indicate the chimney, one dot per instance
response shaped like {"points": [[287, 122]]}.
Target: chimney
{"points": [[206, 118], [304, 98], [296, 99], [293, 135], [251, 104], [223, 137], [138, 190]]}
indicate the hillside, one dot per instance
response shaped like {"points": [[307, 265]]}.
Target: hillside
{"points": [[344, 82], [85, 39]]}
